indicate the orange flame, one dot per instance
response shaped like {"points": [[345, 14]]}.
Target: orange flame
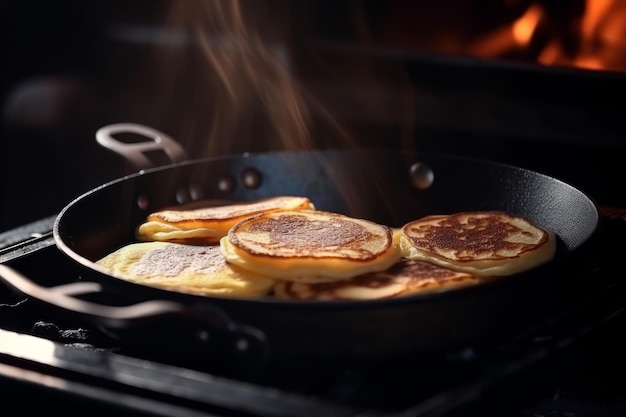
{"points": [[509, 38], [603, 30], [524, 28], [600, 36]]}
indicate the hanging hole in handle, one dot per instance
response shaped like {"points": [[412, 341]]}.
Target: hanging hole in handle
{"points": [[143, 146]]}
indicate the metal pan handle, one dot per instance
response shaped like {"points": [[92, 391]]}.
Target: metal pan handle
{"points": [[137, 153], [208, 328]]}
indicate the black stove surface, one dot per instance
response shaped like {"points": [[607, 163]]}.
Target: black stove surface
{"points": [[569, 364]]}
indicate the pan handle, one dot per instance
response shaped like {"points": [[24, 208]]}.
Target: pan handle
{"points": [[137, 153], [162, 323]]}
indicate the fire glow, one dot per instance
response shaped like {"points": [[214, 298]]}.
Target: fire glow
{"points": [[595, 39]]}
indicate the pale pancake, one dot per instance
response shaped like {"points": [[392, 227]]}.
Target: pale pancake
{"points": [[404, 278], [164, 232], [192, 269], [309, 246], [206, 221], [484, 243]]}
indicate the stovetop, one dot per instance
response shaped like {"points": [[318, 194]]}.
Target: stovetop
{"points": [[565, 365]]}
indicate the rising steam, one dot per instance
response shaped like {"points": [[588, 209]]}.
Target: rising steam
{"points": [[237, 85]]}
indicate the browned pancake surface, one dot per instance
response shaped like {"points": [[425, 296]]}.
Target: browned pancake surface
{"points": [[488, 243], [321, 234], [310, 245]]}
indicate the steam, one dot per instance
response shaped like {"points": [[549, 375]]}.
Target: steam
{"points": [[252, 101], [236, 84]]}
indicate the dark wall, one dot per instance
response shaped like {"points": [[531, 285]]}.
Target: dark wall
{"points": [[58, 79]]}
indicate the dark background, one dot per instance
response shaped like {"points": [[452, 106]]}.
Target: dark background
{"points": [[70, 67]]}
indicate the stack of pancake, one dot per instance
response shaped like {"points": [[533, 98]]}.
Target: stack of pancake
{"points": [[284, 247]]}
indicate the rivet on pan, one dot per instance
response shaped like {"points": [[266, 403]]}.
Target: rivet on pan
{"points": [[196, 192], [204, 336], [182, 196], [226, 184], [251, 178], [242, 345], [143, 202], [422, 176]]}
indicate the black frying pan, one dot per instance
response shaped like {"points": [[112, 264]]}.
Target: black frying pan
{"points": [[388, 187]]}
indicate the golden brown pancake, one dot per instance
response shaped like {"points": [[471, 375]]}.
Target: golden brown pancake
{"points": [[484, 243], [192, 269], [404, 278], [309, 246], [207, 221]]}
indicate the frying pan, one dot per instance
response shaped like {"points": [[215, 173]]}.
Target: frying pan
{"points": [[389, 187]]}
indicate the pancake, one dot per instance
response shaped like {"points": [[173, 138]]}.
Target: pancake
{"points": [[193, 269], [484, 243], [404, 278], [309, 246], [207, 221]]}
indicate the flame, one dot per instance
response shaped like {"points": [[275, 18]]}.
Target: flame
{"points": [[524, 28], [513, 37], [594, 40], [603, 32]]}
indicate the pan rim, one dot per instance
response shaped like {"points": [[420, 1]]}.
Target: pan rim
{"points": [[428, 296]]}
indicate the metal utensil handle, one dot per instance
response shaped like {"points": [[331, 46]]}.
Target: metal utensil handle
{"points": [[245, 341], [136, 152]]}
